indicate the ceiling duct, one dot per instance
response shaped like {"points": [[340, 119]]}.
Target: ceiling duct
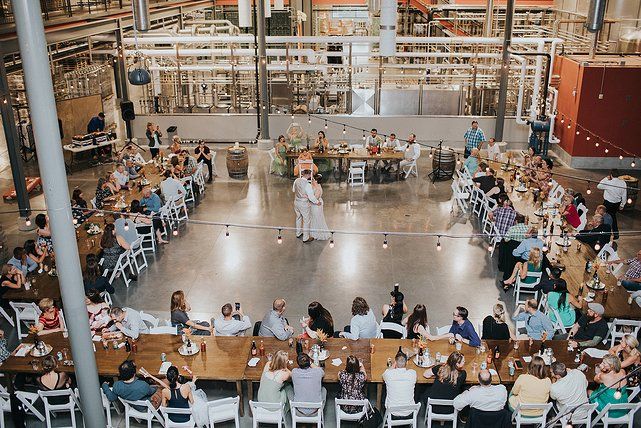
{"points": [[387, 45], [141, 14], [244, 13], [279, 4], [268, 9], [596, 15]]}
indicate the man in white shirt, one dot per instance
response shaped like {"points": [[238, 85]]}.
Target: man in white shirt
{"points": [[392, 142], [411, 155], [485, 396], [569, 390], [121, 175], [128, 322], [373, 139], [614, 197], [304, 197], [170, 187], [400, 383], [231, 322], [493, 150]]}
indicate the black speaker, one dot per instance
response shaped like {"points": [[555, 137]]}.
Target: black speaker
{"points": [[127, 110]]}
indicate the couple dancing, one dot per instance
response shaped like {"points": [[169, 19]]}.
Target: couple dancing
{"points": [[308, 205]]}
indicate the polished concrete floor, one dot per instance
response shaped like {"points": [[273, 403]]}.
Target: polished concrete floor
{"points": [[250, 267]]}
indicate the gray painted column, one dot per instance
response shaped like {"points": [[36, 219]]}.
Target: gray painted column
{"points": [[33, 52], [13, 143], [264, 141], [505, 71], [489, 18]]}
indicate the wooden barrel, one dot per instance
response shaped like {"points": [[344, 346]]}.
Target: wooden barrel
{"points": [[633, 190], [445, 162], [237, 162]]}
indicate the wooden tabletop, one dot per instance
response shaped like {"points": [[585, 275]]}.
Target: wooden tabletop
{"points": [[574, 260], [387, 348], [337, 348], [223, 360], [107, 360]]}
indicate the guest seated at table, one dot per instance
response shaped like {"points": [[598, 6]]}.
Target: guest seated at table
{"points": [[92, 275], [449, 381], [590, 329], [128, 386], [4, 351], [628, 352], [43, 232], [35, 253], [22, 262], [537, 324], [607, 218], [522, 252], [416, 323], [189, 163], [373, 140], [97, 309], [481, 171], [273, 386], [562, 302], [52, 379], [150, 201], [79, 207], [399, 382], [171, 187], [543, 178], [49, 320], [498, 191], [596, 234], [11, 278], [178, 395], [569, 389], [307, 159], [611, 374], [105, 191], [121, 176], [472, 162], [515, 235], [484, 396], [274, 323], [486, 182], [462, 329], [307, 382], [324, 165], [352, 383], [363, 324], [131, 169], [180, 318], [141, 220], [112, 247], [279, 164], [231, 322], [176, 167], [174, 147], [534, 264], [410, 156], [494, 326], [532, 387], [135, 156], [568, 211], [392, 142], [319, 319], [552, 281], [631, 279], [77, 199], [127, 322]]}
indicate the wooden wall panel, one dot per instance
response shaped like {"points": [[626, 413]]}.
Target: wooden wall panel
{"points": [[75, 114]]}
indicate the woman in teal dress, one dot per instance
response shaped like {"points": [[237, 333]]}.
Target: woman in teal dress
{"points": [[324, 165], [611, 373], [534, 264], [564, 303], [279, 165]]}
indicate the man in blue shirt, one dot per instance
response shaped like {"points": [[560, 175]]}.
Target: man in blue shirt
{"points": [[531, 240], [462, 329], [150, 200], [22, 262], [96, 124], [129, 387], [536, 322]]}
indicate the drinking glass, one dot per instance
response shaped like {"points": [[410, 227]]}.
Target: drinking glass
{"points": [[597, 369], [475, 367], [269, 357]]}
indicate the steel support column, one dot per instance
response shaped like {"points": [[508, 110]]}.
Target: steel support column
{"points": [[264, 141], [505, 72], [13, 143], [489, 18], [33, 52]]}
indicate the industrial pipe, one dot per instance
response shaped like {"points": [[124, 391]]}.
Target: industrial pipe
{"points": [[387, 44], [244, 13], [142, 21]]}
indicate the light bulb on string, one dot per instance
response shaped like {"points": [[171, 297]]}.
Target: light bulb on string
{"points": [[325, 124], [175, 232], [309, 119], [385, 242], [589, 191], [633, 164], [545, 247], [126, 226], [364, 138], [620, 157], [587, 138], [569, 125], [596, 144], [331, 241], [27, 222], [569, 425], [562, 120], [629, 201], [292, 116], [431, 154], [344, 130], [458, 160], [617, 394], [75, 221], [597, 246], [280, 237], [226, 231], [577, 132], [607, 150], [438, 243]]}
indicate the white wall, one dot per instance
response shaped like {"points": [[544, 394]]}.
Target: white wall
{"points": [[242, 127]]}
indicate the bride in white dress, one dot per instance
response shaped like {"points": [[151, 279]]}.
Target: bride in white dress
{"points": [[318, 225]]}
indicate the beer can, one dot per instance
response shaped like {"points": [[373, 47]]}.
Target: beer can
{"points": [[59, 355], [483, 365], [163, 357], [512, 370]]}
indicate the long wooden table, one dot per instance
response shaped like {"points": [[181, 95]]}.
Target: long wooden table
{"points": [[358, 155]]}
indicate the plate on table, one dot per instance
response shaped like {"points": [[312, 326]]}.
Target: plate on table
{"points": [[36, 353], [427, 362], [599, 286], [323, 355], [186, 352], [521, 189]]}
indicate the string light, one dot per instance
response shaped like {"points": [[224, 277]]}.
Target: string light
{"points": [[325, 124], [27, 222], [385, 242], [589, 191], [597, 246], [620, 157], [292, 116], [331, 241], [587, 138], [633, 164], [617, 394], [458, 160], [364, 138], [126, 226], [569, 125], [309, 119], [596, 144], [75, 221], [280, 237], [438, 243], [577, 132], [607, 150], [344, 130], [227, 231], [431, 154], [545, 247], [175, 232], [629, 201]]}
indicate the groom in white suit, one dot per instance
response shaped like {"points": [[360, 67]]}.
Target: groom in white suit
{"points": [[304, 198]]}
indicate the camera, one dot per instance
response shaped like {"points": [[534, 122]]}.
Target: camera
{"points": [[397, 295]]}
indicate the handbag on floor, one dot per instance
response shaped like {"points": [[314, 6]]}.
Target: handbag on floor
{"points": [[372, 417]]}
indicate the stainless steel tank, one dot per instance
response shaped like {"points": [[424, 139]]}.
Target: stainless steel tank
{"points": [[630, 41]]}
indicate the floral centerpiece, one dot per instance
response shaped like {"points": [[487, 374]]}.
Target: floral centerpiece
{"points": [[321, 337]]}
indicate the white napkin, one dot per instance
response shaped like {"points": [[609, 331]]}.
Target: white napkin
{"points": [[443, 359], [164, 367], [253, 362], [337, 362], [595, 353], [96, 338], [527, 358], [24, 350], [493, 372]]}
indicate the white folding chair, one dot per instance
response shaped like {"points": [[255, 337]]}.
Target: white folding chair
{"points": [[136, 253], [349, 417], [167, 411], [123, 262], [625, 420], [7, 316], [272, 159], [178, 209], [305, 165], [28, 401], [430, 416], [27, 313], [518, 417], [526, 288], [5, 406], [149, 319], [356, 174], [267, 413], [107, 405], [477, 201], [583, 217], [52, 409], [316, 417], [393, 327], [443, 330], [189, 191], [581, 416], [148, 414], [225, 409], [459, 196], [411, 169], [607, 253], [401, 411], [166, 216], [620, 327], [148, 235], [199, 177], [163, 329], [107, 298]]}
